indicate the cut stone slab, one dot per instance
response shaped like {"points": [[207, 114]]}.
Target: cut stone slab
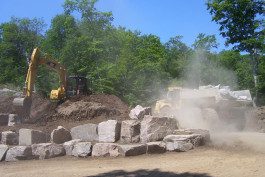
{"points": [[29, 137], [3, 119], [179, 146], [156, 128], [69, 146], [132, 149], [86, 132], [19, 153], [60, 135], [194, 139], [82, 149], [3, 150], [204, 133], [105, 149], [9, 138], [47, 150], [139, 112], [156, 147], [13, 119], [206, 137], [130, 131], [109, 131]]}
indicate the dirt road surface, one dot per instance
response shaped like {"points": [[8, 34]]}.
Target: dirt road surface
{"points": [[201, 162]]}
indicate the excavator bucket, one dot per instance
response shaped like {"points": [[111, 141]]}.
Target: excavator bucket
{"points": [[21, 106]]}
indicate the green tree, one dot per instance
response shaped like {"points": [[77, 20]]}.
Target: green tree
{"points": [[177, 54], [17, 40], [242, 24]]}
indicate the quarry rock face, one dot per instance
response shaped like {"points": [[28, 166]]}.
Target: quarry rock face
{"points": [[109, 131], [156, 128], [60, 135], [3, 150], [132, 149], [19, 153], [9, 138], [82, 149], [156, 147], [139, 112], [105, 149], [69, 146], [86, 132], [179, 146], [130, 131], [47, 150], [29, 137]]}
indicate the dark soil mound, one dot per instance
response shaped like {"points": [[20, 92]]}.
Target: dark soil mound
{"points": [[77, 110]]}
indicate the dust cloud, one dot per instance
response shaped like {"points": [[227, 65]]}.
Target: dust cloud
{"points": [[213, 107]]}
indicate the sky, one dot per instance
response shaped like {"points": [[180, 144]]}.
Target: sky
{"points": [[163, 18]]}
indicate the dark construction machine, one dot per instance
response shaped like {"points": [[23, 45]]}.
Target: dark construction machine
{"points": [[69, 86]]}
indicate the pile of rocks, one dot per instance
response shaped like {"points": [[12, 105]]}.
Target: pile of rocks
{"points": [[140, 135]]}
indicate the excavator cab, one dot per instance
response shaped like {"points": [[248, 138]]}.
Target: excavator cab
{"points": [[76, 85]]}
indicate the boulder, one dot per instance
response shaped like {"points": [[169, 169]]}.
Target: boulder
{"points": [[156, 128], [3, 119], [9, 138], [29, 137], [204, 133], [19, 153], [86, 132], [132, 149], [178, 146], [60, 135], [109, 131], [82, 149], [69, 146], [139, 112], [156, 147], [47, 150], [105, 149], [3, 150], [13, 119], [194, 139], [130, 131]]}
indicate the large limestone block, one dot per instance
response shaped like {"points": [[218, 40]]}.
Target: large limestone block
{"points": [[3, 119], [9, 138], [139, 112], [19, 153], [109, 131], [194, 139], [47, 150], [130, 131], [3, 150], [178, 146], [86, 132], [69, 146], [29, 137], [82, 149], [156, 128], [105, 149], [156, 147], [60, 135], [132, 149]]}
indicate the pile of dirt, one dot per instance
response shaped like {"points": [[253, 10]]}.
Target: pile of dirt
{"points": [[47, 115], [257, 119]]}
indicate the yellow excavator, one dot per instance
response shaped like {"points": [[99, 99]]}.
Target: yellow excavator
{"points": [[73, 85]]}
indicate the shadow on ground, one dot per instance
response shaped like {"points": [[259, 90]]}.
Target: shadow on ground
{"points": [[149, 173]]}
